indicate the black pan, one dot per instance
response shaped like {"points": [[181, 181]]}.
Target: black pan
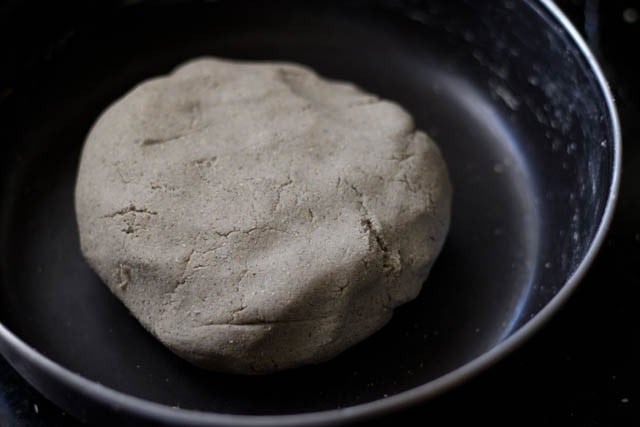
{"points": [[508, 89]]}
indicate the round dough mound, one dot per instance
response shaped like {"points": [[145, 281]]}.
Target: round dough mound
{"points": [[255, 216]]}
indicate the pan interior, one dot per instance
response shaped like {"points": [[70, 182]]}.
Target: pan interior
{"points": [[527, 153]]}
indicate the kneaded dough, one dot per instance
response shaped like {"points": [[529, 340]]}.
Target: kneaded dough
{"points": [[255, 216]]}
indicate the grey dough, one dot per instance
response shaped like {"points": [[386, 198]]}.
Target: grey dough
{"points": [[256, 217]]}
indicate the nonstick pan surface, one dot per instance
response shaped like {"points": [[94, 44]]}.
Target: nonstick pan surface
{"points": [[509, 91]]}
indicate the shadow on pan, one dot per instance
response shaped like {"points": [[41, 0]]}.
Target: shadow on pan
{"points": [[519, 109]]}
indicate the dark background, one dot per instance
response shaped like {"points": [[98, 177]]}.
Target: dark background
{"points": [[578, 371]]}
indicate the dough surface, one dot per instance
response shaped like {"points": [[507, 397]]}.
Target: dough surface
{"points": [[255, 216]]}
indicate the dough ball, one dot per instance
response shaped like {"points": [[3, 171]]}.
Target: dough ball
{"points": [[255, 216]]}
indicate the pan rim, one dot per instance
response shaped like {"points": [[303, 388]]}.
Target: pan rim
{"points": [[156, 411]]}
